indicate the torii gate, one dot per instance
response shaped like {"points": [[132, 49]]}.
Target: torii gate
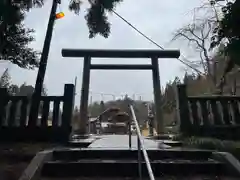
{"points": [[87, 54]]}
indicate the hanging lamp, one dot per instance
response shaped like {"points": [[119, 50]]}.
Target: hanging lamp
{"points": [[60, 14]]}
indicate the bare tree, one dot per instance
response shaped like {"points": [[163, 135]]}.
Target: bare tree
{"points": [[198, 36]]}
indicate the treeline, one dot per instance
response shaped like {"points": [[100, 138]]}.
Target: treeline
{"points": [[13, 89], [16, 90]]}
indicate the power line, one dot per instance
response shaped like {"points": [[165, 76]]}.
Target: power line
{"points": [[92, 2], [152, 41]]}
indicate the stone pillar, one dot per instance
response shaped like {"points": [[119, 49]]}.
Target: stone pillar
{"points": [[150, 125]]}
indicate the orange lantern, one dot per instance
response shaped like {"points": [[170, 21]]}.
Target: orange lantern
{"points": [[60, 15]]}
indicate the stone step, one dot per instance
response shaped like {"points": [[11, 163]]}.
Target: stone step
{"points": [[172, 143], [158, 154], [81, 143], [129, 168], [163, 137]]}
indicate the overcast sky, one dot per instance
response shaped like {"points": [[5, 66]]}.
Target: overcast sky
{"points": [[156, 18]]}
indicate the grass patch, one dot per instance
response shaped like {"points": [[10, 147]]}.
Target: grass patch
{"points": [[232, 147]]}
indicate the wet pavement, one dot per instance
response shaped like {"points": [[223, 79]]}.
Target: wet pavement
{"points": [[122, 142]]}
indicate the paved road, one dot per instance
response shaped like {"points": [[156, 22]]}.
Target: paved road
{"points": [[121, 142]]}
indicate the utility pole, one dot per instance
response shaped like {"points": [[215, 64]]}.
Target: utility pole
{"points": [[114, 97], [91, 100], [133, 97], [42, 66], [75, 87]]}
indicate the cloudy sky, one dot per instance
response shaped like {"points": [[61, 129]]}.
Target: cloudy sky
{"points": [[156, 18]]}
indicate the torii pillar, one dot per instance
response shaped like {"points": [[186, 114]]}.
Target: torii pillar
{"points": [[87, 54]]}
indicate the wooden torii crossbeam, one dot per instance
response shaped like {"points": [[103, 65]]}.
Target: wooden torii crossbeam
{"points": [[100, 53], [87, 54]]}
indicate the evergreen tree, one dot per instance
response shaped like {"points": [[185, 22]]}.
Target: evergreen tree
{"points": [[15, 37], [5, 79], [227, 33], [96, 17]]}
